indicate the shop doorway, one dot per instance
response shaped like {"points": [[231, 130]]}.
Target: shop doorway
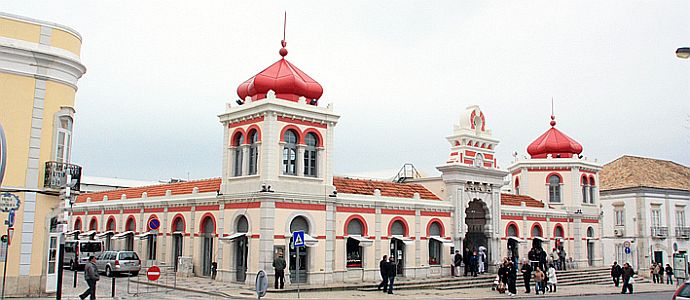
{"points": [[241, 249], [659, 257], [299, 224], [177, 239], [398, 251], [208, 228]]}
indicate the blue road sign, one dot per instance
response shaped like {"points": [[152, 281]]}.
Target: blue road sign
{"points": [[627, 250], [298, 238], [154, 224], [10, 218]]}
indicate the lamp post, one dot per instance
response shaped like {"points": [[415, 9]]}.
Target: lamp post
{"points": [[683, 53]]}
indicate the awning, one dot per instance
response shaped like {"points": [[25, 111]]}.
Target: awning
{"points": [[232, 236], [363, 242], [103, 234], [405, 240], [440, 239], [122, 235], [517, 239], [89, 234], [73, 232], [309, 241], [178, 233], [144, 235], [544, 240]]}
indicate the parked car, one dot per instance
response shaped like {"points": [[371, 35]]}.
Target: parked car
{"points": [[77, 252], [683, 292], [116, 262]]}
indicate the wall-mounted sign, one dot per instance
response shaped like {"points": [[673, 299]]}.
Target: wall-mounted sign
{"points": [[9, 201]]}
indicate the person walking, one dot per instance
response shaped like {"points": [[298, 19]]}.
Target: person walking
{"points": [[561, 258], [383, 269], [392, 270], [554, 256], [551, 274], [669, 274], [279, 267], [92, 277], [526, 274], [659, 273], [628, 280], [474, 263], [481, 261], [652, 271], [616, 273], [466, 260], [539, 281], [512, 279], [457, 261]]}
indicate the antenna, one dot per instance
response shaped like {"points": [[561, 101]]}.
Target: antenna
{"points": [[552, 105]]}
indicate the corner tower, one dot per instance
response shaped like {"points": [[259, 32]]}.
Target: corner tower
{"points": [[278, 138]]}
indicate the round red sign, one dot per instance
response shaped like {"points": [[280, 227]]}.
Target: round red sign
{"points": [[153, 273]]}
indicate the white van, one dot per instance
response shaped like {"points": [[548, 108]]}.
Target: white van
{"points": [[77, 252]]}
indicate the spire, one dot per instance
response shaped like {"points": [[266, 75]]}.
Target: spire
{"points": [[283, 52], [553, 118]]}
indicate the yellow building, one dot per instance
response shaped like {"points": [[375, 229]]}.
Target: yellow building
{"points": [[39, 69]]}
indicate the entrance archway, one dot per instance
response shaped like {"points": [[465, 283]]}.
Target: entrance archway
{"points": [[398, 230], [177, 238], [297, 224], [590, 246], [476, 220], [208, 229], [241, 249]]}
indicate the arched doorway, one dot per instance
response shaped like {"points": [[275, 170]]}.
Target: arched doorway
{"points": [[398, 230], [241, 248], [512, 234], [130, 227], [208, 229], [298, 224], [475, 218], [178, 229], [590, 246]]}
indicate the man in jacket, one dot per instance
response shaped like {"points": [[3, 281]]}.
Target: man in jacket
{"points": [[457, 261], [466, 260], [628, 273], [91, 276], [561, 257], [526, 274], [383, 268], [279, 267], [616, 273], [392, 271], [512, 279]]}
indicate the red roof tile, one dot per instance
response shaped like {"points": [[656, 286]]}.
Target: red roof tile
{"points": [[388, 189], [515, 200], [179, 188]]}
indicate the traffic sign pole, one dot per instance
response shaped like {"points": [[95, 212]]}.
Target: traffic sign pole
{"points": [[4, 271]]}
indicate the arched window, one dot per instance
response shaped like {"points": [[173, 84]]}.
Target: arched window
{"points": [[590, 232], [299, 223], [585, 189], [178, 225], [554, 188], [237, 160], [536, 231], [558, 232], [517, 186], [435, 246], [290, 153], [131, 225], [355, 227], [63, 143], [591, 190], [93, 225], [208, 226], [435, 229], [77, 224], [310, 155], [110, 226], [398, 228], [253, 151], [479, 160], [242, 225], [353, 246], [512, 230]]}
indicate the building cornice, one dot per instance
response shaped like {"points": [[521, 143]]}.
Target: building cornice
{"points": [[40, 61], [41, 23], [280, 107]]}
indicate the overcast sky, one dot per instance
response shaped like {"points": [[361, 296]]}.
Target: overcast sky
{"points": [[399, 73]]}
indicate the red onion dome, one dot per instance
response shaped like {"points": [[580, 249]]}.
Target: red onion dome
{"points": [[285, 79], [554, 142]]}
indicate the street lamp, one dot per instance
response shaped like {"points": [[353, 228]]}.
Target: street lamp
{"points": [[683, 53]]}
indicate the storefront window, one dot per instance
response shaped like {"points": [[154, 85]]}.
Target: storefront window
{"points": [[354, 254]]}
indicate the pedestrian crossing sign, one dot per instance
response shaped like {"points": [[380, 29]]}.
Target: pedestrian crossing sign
{"points": [[298, 238]]}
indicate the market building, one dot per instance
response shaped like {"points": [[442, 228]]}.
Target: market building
{"points": [[39, 70], [645, 203]]}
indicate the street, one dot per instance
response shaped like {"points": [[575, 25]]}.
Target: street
{"points": [[640, 296]]}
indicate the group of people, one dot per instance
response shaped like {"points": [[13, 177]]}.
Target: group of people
{"points": [[507, 276], [388, 269], [657, 272], [627, 273], [474, 262]]}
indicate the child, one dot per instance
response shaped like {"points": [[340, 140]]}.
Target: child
{"points": [[539, 281], [551, 274]]}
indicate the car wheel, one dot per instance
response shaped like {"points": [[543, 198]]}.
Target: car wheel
{"points": [[72, 265], [108, 272], [135, 273]]}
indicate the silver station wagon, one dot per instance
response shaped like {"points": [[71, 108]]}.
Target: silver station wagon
{"points": [[116, 262]]}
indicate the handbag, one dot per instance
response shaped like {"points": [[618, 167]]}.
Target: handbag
{"points": [[631, 280]]}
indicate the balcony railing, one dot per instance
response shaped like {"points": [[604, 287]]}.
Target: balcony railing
{"points": [[659, 232], [683, 232], [56, 175]]}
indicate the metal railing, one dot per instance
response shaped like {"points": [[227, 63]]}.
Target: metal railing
{"points": [[56, 175], [659, 232], [141, 285], [683, 232]]}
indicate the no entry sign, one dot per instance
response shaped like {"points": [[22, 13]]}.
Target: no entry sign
{"points": [[153, 273]]}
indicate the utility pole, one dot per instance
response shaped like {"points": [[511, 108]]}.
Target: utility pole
{"points": [[67, 197]]}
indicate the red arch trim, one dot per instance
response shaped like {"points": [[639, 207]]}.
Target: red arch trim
{"points": [[440, 224], [93, 221], [203, 219], [405, 226], [77, 221], [111, 220], [531, 230], [584, 180], [293, 127], [591, 181], [557, 226], [319, 138], [133, 221], [554, 173], [249, 133], [234, 135], [517, 228], [151, 217], [365, 228], [184, 223]]}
